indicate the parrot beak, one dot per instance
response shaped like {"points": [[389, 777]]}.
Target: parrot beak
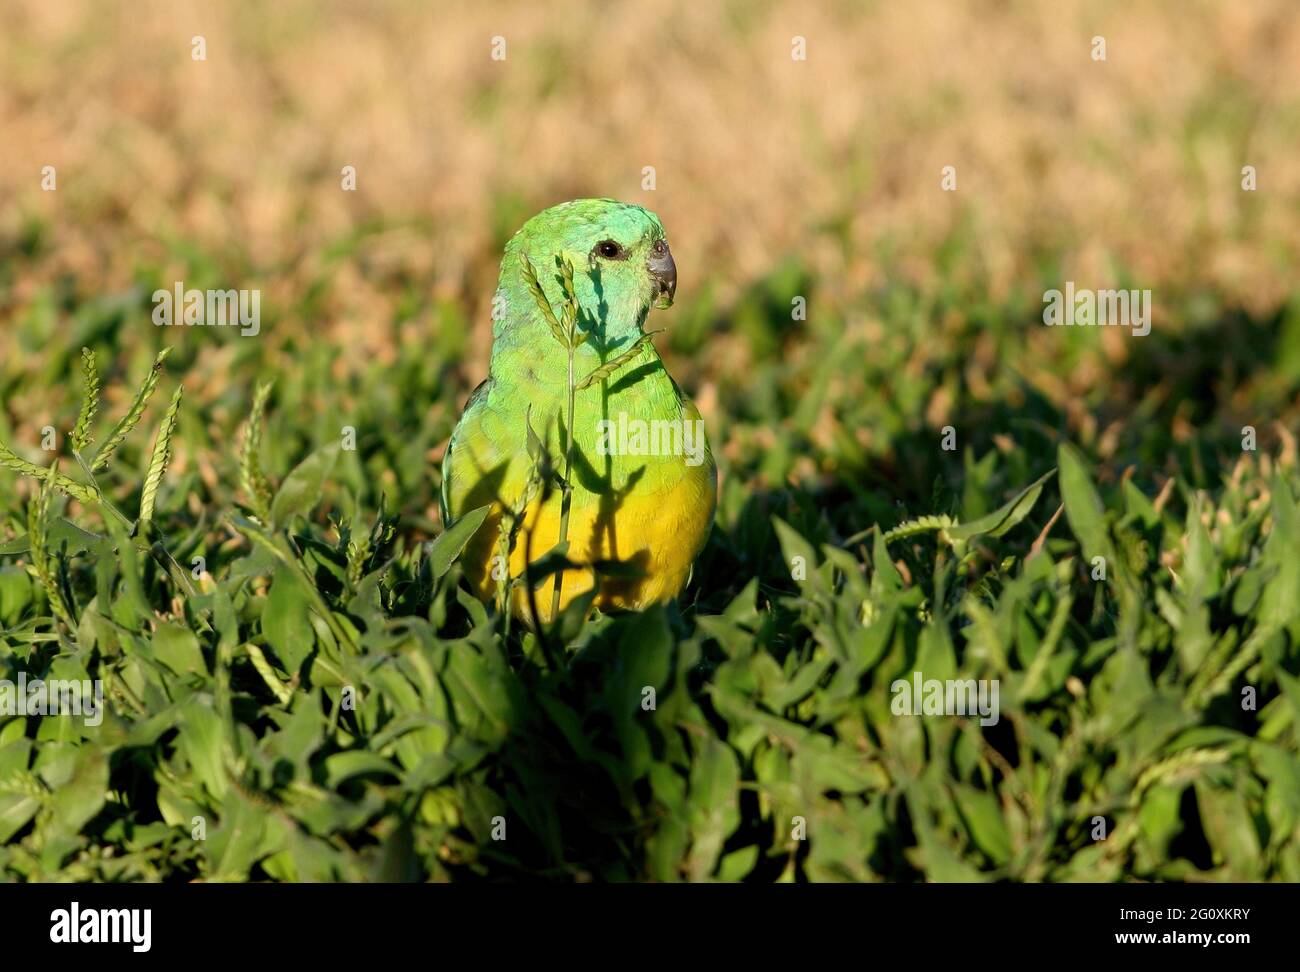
{"points": [[664, 270]]}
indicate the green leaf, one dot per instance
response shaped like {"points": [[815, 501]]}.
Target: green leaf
{"points": [[234, 846], [201, 743], [1279, 603], [713, 813], [1229, 828], [76, 801], [16, 809], [446, 548], [344, 766], [982, 814], [798, 554], [301, 489], [16, 594], [885, 577], [1159, 818], [286, 620], [1007, 516], [178, 648], [1083, 506], [737, 864]]}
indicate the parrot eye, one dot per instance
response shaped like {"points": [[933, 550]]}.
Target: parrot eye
{"points": [[609, 250]]}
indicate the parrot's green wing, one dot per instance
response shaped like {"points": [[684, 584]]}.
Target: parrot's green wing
{"points": [[448, 460]]}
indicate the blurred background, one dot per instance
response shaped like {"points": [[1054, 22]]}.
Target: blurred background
{"points": [[775, 178]]}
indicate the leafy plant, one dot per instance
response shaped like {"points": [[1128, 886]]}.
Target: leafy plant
{"points": [[332, 705]]}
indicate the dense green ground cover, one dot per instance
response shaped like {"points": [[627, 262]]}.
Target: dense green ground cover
{"points": [[839, 563], [1157, 705]]}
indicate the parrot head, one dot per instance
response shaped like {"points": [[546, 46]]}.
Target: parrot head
{"points": [[622, 264]]}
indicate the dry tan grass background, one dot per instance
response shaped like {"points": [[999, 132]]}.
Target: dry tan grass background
{"points": [[1131, 165], [774, 177]]}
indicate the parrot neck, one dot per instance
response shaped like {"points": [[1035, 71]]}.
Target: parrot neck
{"points": [[523, 343]]}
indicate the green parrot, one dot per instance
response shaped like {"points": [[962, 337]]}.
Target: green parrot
{"points": [[644, 482]]}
